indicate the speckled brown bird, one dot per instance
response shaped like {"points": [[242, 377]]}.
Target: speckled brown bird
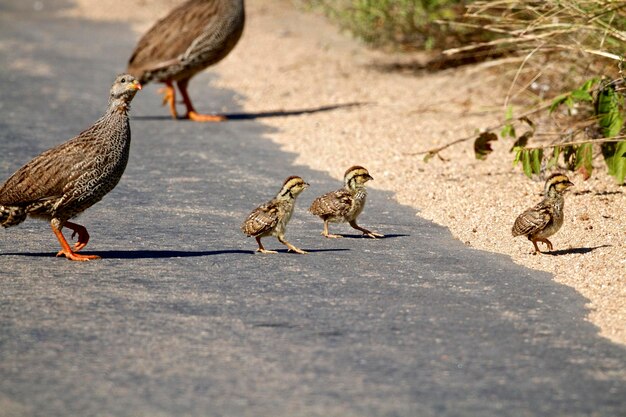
{"points": [[546, 218], [271, 218], [345, 204], [192, 37], [64, 181]]}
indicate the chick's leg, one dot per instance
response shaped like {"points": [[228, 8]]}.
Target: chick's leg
{"points": [[366, 232], [329, 235], [282, 240], [261, 248]]}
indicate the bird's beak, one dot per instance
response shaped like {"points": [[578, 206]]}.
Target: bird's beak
{"points": [[571, 184], [135, 85], [369, 177], [306, 185]]}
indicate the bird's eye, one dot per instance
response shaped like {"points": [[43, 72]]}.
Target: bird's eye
{"points": [[123, 80]]}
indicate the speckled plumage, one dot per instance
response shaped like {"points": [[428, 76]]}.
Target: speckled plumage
{"points": [[63, 181], [192, 37], [344, 204], [271, 218], [546, 218]]}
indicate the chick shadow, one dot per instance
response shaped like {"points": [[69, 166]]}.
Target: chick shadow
{"points": [[362, 236], [288, 252], [580, 251], [266, 114]]}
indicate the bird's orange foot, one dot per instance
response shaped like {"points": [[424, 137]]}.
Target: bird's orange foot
{"points": [[169, 98], [197, 117], [73, 256]]}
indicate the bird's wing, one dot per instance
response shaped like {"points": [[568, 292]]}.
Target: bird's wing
{"points": [[532, 220], [333, 203], [262, 220], [170, 38], [45, 176]]}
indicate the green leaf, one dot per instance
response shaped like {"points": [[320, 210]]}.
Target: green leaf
{"points": [[581, 95], [608, 111], [508, 130], [584, 156], [518, 154], [526, 166], [509, 113], [536, 156], [558, 100], [482, 145], [615, 157], [556, 152], [589, 84]]}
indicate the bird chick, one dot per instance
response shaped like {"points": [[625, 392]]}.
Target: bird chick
{"points": [[193, 36], [345, 204], [271, 218], [64, 181], [546, 218]]}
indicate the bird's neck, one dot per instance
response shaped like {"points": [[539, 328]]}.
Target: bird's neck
{"points": [[286, 197], [118, 106], [356, 188], [556, 198]]}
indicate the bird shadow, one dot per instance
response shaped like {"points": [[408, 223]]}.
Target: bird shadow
{"points": [[267, 114], [154, 254], [361, 236], [579, 251], [135, 254]]}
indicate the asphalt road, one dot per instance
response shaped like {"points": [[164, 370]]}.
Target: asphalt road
{"points": [[180, 318]]}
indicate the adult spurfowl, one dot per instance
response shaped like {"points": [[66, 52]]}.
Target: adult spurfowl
{"points": [[192, 37], [62, 182]]}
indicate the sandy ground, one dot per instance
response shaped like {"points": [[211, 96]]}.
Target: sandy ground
{"points": [[289, 60]]}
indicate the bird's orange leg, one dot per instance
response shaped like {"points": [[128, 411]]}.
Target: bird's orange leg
{"points": [[169, 97], [83, 236], [191, 112], [67, 251]]}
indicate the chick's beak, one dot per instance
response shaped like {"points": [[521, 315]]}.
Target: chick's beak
{"points": [[135, 85], [370, 178]]}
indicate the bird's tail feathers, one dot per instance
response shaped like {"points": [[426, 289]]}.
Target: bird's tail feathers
{"points": [[11, 215]]}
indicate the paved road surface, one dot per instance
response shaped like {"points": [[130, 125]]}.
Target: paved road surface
{"points": [[179, 318]]}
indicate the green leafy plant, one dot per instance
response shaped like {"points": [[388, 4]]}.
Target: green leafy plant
{"points": [[599, 102]]}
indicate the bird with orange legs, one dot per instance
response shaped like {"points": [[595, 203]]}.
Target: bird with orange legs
{"points": [[192, 37], [64, 181]]}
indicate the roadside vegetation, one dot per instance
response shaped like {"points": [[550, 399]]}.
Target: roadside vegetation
{"points": [[563, 59]]}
